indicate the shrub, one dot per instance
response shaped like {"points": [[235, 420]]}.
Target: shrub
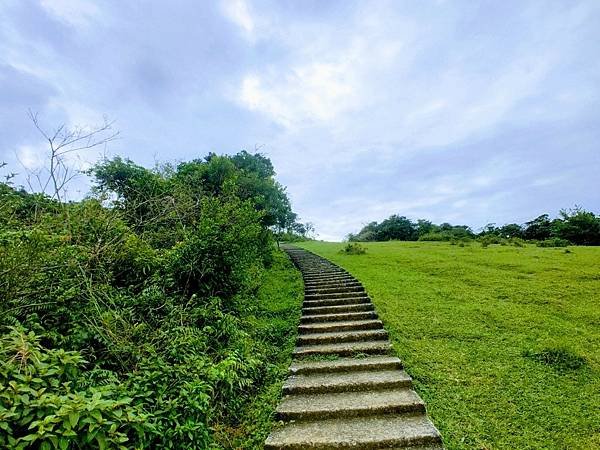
{"points": [[561, 359], [435, 236], [517, 242], [553, 242], [353, 248], [491, 239], [42, 404]]}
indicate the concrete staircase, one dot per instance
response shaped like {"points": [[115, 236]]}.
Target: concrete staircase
{"points": [[344, 388]]}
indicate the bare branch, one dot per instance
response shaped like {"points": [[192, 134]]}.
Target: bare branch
{"points": [[65, 141]]}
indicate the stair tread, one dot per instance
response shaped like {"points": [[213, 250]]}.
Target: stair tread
{"points": [[385, 431], [333, 309], [339, 317], [341, 364], [336, 301], [344, 336], [327, 326], [346, 381], [350, 403], [343, 348]]}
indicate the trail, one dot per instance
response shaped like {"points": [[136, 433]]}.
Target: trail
{"points": [[345, 390]]}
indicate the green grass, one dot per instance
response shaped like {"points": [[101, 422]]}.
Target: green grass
{"points": [[503, 342], [273, 325]]}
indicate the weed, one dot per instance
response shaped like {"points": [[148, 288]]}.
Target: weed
{"points": [[353, 248], [560, 359]]}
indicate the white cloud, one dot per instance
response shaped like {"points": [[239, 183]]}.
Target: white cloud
{"points": [[239, 13], [32, 158], [309, 93], [76, 13]]}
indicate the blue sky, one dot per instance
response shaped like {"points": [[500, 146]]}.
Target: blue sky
{"points": [[459, 111]]}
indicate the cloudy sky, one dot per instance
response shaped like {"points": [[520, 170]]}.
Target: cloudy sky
{"points": [[460, 111]]}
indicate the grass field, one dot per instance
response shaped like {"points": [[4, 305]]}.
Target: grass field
{"points": [[503, 342]]}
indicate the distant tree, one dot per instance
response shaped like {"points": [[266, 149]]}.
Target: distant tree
{"points": [[578, 226], [398, 228], [539, 228], [424, 226], [489, 228], [511, 230]]}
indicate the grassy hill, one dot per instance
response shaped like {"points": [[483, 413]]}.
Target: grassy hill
{"points": [[502, 341]]}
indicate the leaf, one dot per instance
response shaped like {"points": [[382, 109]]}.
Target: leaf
{"points": [[73, 419]]}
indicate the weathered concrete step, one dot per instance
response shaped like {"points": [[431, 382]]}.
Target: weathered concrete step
{"points": [[324, 269], [346, 365], [332, 284], [339, 317], [329, 280], [350, 325], [333, 289], [375, 432], [334, 295], [346, 382], [343, 336], [337, 309], [336, 302], [328, 277], [344, 349], [349, 404]]}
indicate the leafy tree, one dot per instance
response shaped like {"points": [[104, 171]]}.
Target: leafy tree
{"points": [[578, 226], [511, 230], [539, 228]]}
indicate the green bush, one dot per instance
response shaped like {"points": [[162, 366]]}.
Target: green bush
{"points": [[157, 288], [353, 248], [553, 242], [42, 404]]}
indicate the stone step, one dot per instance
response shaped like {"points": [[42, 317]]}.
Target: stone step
{"points": [[333, 289], [344, 349], [325, 270], [339, 317], [351, 325], [370, 363], [334, 295], [329, 280], [376, 432], [334, 284], [344, 336], [336, 302], [337, 309], [346, 382], [327, 276], [349, 404]]}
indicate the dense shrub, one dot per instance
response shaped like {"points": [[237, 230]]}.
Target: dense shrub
{"points": [[553, 242], [124, 316], [44, 403]]}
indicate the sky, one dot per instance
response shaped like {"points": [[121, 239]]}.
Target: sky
{"points": [[453, 111]]}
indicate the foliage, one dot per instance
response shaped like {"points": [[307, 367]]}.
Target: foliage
{"points": [[403, 229], [145, 300], [499, 341], [577, 227], [353, 248], [553, 242], [42, 401]]}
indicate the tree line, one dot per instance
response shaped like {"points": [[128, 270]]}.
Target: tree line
{"points": [[576, 226]]}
